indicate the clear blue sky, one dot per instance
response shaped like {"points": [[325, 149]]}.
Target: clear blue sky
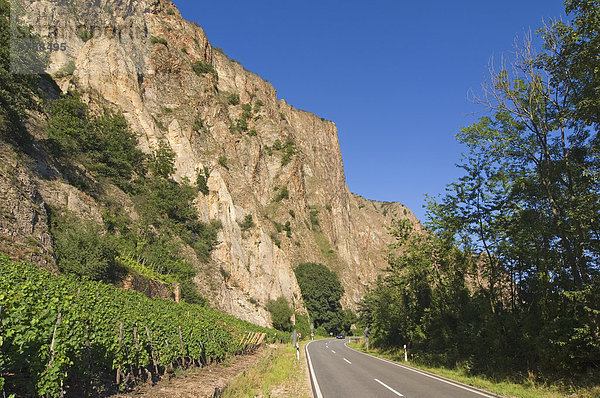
{"points": [[393, 75]]}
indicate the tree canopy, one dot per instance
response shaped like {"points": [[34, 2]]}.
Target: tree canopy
{"points": [[507, 277], [321, 292]]}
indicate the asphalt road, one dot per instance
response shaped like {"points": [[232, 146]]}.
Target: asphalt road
{"points": [[338, 371]]}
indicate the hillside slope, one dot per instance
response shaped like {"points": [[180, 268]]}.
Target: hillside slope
{"points": [[264, 158]]}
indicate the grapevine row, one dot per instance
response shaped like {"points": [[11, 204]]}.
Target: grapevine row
{"points": [[59, 330]]}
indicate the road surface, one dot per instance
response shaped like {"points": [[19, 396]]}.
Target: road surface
{"points": [[338, 371]]}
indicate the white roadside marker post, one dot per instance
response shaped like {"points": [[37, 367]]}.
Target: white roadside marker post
{"points": [[405, 354]]}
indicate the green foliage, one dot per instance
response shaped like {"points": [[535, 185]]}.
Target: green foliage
{"points": [[320, 331], [275, 239], [91, 315], [302, 325], [108, 9], [170, 11], [281, 313], [247, 223], [277, 145], [233, 99], [321, 292], [258, 104], [158, 40], [66, 70], [246, 111], [202, 180], [238, 126], [201, 68], [84, 34], [81, 248], [288, 229], [328, 207], [314, 217], [508, 279], [198, 124], [162, 162], [292, 213], [252, 133], [19, 91], [104, 144], [222, 160], [282, 194]]}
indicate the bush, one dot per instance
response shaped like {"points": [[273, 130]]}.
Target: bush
{"points": [[314, 217], [233, 99], [82, 249], [275, 239], [84, 34], [202, 180], [247, 223], [201, 68], [302, 326], [223, 161], [282, 194], [281, 313], [162, 161], [158, 40]]}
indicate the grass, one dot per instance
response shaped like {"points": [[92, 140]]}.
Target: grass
{"points": [[277, 374], [527, 388]]}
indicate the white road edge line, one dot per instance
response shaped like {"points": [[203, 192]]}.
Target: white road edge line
{"points": [[348, 361], [389, 388], [425, 374], [312, 373]]}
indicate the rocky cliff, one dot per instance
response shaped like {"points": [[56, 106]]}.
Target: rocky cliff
{"points": [[265, 158]]}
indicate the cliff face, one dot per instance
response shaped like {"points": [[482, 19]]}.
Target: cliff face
{"points": [[265, 159]]}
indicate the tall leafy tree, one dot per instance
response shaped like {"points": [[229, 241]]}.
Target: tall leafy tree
{"points": [[321, 292]]}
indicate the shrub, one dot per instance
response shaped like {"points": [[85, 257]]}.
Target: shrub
{"points": [[252, 133], [84, 34], [108, 9], [292, 213], [275, 239], [170, 12], [328, 207], [288, 229], [202, 180], [82, 249], [223, 161], [277, 145], [282, 194], [314, 217], [66, 70], [233, 99], [158, 40], [281, 313], [247, 223], [201, 68], [198, 124], [162, 162]]}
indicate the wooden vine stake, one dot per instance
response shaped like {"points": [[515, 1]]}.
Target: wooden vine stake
{"points": [[120, 346], [151, 350], [181, 346]]}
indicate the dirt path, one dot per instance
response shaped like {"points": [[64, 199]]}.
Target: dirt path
{"points": [[198, 383]]}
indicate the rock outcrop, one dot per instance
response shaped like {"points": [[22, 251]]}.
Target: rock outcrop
{"points": [[265, 158]]}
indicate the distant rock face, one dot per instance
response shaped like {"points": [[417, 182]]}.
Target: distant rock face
{"points": [[265, 158], [24, 233]]}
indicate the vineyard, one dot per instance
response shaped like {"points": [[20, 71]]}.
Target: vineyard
{"points": [[59, 334]]}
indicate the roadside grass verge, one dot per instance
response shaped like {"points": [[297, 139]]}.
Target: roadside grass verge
{"points": [[278, 374], [526, 388]]}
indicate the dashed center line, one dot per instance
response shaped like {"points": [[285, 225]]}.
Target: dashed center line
{"points": [[389, 388], [333, 351], [348, 361]]}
